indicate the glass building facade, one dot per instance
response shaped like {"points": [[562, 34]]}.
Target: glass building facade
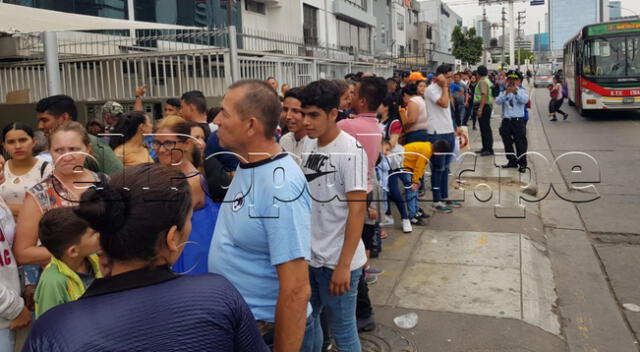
{"points": [[199, 13], [101, 8], [567, 17]]}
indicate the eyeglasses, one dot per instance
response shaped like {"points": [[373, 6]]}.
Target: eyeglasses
{"points": [[168, 145]]}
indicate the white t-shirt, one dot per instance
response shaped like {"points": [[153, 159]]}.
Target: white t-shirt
{"points": [[11, 303], [14, 187], [332, 171], [295, 148], [439, 121]]}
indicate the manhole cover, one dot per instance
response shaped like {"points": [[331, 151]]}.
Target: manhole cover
{"points": [[384, 339]]}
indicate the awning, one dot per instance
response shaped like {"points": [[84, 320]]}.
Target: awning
{"points": [[16, 18]]}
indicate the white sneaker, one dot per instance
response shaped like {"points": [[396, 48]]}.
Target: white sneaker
{"points": [[387, 221], [406, 226]]}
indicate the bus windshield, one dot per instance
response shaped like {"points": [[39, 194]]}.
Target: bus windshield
{"points": [[612, 57]]}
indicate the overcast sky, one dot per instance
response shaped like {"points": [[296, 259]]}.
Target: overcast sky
{"points": [[534, 13]]}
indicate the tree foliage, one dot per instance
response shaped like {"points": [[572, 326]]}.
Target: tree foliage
{"points": [[525, 54], [467, 47]]}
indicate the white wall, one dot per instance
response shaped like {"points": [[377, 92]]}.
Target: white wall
{"points": [[284, 18]]}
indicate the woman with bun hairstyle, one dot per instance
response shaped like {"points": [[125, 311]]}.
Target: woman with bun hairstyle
{"points": [[22, 169], [130, 148], [143, 305], [177, 149], [69, 146]]}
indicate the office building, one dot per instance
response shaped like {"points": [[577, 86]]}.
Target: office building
{"points": [[615, 11], [345, 25], [541, 42], [444, 19], [565, 21], [199, 13]]}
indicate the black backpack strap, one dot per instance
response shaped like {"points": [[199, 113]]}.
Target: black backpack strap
{"points": [[43, 167]]}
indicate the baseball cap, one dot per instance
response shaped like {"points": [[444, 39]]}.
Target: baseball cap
{"points": [[112, 108], [416, 76]]}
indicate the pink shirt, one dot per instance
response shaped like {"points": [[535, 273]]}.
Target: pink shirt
{"points": [[365, 129]]}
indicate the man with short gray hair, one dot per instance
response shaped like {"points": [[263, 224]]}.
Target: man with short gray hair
{"points": [[261, 242]]}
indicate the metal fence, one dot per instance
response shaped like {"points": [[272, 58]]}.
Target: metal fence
{"points": [[106, 68]]}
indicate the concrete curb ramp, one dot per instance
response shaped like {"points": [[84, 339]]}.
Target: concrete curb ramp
{"points": [[504, 275]]}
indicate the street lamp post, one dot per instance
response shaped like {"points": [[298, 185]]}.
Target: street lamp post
{"points": [[624, 8]]}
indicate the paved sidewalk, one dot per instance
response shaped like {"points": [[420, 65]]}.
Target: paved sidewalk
{"points": [[479, 278]]}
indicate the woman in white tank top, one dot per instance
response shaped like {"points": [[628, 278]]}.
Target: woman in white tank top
{"points": [[22, 171], [416, 124]]}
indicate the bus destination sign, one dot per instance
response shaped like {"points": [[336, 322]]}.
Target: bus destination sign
{"points": [[611, 28]]}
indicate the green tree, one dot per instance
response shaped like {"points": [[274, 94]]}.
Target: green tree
{"points": [[525, 54], [467, 47]]}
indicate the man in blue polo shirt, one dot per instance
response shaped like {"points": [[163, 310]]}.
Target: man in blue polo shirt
{"points": [[261, 242], [513, 101]]}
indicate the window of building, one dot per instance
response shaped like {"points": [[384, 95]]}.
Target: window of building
{"points": [[429, 32], [352, 37], [409, 46], [401, 50], [310, 24], [415, 46], [400, 22], [255, 6], [415, 17], [362, 4]]}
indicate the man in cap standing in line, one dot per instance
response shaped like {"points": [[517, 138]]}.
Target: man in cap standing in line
{"points": [[111, 113]]}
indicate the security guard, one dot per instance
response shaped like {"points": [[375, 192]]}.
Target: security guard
{"points": [[512, 130]]}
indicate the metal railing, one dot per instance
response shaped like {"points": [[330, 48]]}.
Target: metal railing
{"points": [[107, 67]]}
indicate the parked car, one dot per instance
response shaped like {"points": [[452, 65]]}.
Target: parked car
{"points": [[542, 78]]}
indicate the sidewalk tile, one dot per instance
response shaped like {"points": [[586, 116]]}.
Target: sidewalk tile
{"points": [[460, 288], [469, 248]]}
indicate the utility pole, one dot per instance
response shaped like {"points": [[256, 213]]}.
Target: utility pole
{"points": [[504, 37], [484, 45], [512, 29], [539, 46], [521, 21], [230, 5]]}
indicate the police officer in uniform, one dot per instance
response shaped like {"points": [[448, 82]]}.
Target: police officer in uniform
{"points": [[513, 101]]}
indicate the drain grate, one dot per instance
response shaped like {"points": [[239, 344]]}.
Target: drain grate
{"points": [[385, 339], [517, 349]]}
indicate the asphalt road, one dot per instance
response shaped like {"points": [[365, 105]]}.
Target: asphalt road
{"points": [[613, 140], [595, 245]]}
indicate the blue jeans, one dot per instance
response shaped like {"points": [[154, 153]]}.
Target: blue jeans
{"points": [[341, 312], [440, 167], [7, 340], [395, 192]]}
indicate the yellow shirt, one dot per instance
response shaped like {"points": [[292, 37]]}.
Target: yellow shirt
{"points": [[130, 155], [416, 157]]}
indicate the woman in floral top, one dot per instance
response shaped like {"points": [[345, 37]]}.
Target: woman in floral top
{"points": [[69, 146]]}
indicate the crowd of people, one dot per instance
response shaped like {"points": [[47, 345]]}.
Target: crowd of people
{"points": [[248, 226]]}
